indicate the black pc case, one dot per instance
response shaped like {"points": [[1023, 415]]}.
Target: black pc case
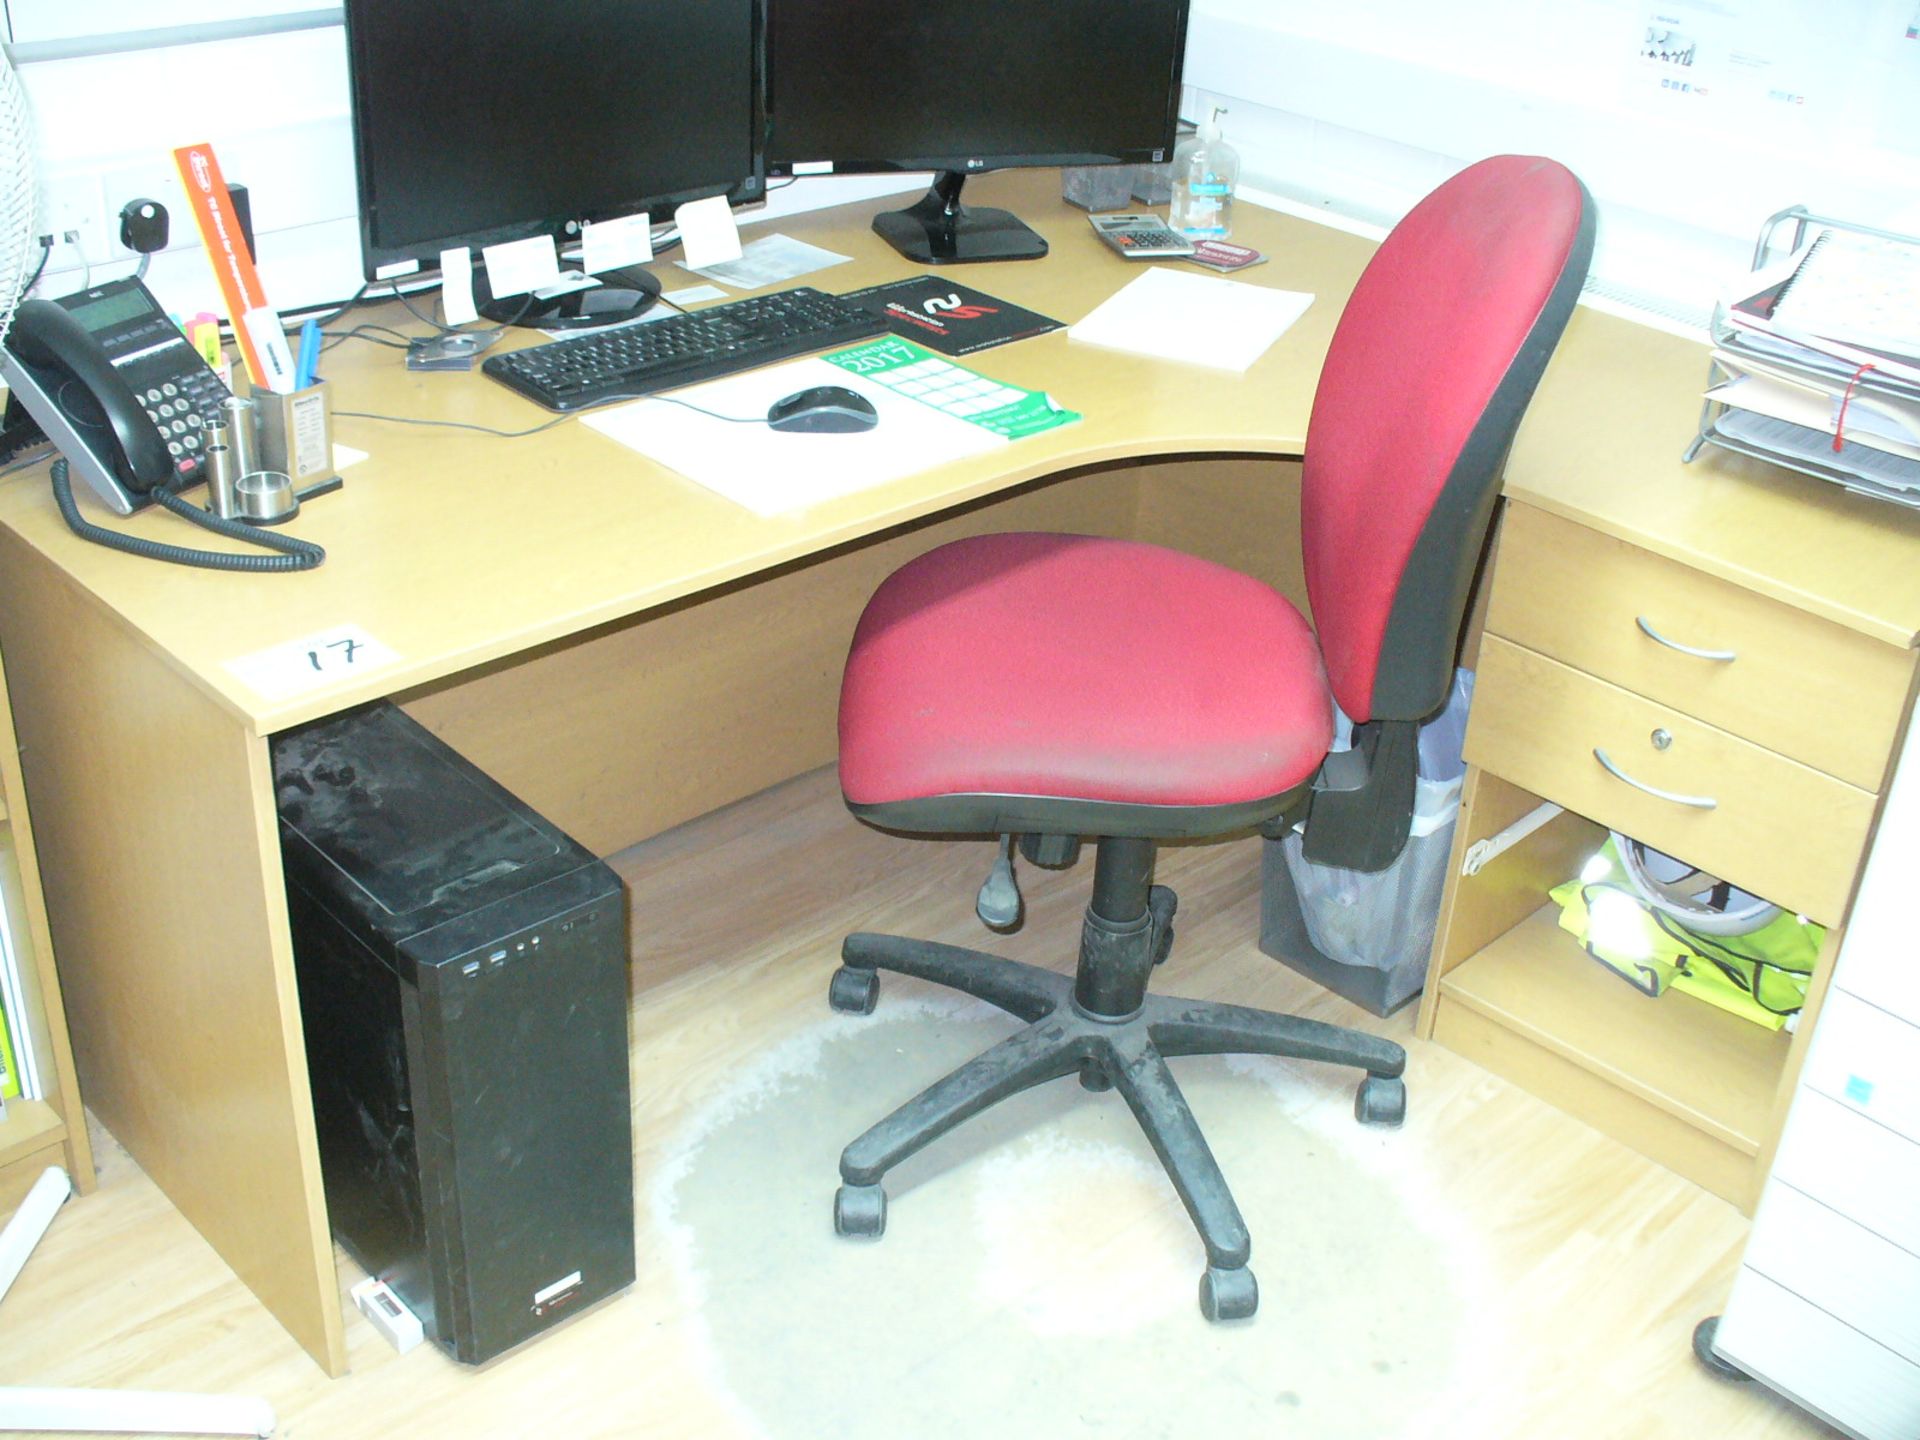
{"points": [[463, 987]]}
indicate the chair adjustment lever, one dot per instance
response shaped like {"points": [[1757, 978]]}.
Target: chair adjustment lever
{"points": [[1362, 800], [998, 904]]}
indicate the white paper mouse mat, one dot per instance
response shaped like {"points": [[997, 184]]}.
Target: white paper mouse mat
{"points": [[726, 444]]}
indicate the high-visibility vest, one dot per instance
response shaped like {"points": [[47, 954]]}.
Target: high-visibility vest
{"points": [[1653, 952]]}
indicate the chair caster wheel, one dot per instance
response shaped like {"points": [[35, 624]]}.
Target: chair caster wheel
{"points": [[854, 992], [860, 1211], [1092, 1077], [1228, 1294], [1380, 1100], [1704, 1352]]}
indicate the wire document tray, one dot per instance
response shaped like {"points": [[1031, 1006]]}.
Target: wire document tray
{"points": [[1837, 401]]}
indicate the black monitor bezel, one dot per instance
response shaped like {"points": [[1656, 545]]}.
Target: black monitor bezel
{"points": [[962, 162], [379, 261]]}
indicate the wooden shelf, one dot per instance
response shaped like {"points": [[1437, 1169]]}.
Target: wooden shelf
{"points": [[1684, 1083], [31, 1126]]}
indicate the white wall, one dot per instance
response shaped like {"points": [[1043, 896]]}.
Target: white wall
{"points": [[275, 108], [1360, 108], [1354, 110]]}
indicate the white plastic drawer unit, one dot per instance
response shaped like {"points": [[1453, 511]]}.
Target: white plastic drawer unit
{"points": [[1857, 1277], [1855, 1166], [1819, 1362], [1868, 1060]]}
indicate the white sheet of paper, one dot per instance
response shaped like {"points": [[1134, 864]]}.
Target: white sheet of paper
{"points": [[1174, 315], [522, 265], [693, 294], [708, 235], [609, 244], [770, 260], [322, 658], [772, 471], [1800, 406]]}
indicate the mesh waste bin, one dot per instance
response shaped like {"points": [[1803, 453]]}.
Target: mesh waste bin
{"points": [[1367, 935]]}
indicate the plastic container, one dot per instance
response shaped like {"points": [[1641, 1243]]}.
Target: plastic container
{"points": [[1097, 187], [1206, 171], [1367, 935]]}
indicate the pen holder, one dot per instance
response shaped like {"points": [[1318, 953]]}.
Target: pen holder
{"points": [[296, 433]]}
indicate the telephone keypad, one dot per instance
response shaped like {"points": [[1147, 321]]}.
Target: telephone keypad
{"points": [[178, 409]]}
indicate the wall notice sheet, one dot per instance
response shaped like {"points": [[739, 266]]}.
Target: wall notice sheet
{"points": [[950, 318], [906, 368]]}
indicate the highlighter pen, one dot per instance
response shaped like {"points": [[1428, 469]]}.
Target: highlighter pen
{"points": [[205, 336], [309, 354]]}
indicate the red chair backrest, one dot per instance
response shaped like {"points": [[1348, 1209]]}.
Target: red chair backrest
{"points": [[1431, 366]]}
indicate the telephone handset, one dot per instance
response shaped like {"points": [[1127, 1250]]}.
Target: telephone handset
{"points": [[116, 386]]}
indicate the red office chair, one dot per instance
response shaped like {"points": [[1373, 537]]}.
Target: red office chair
{"points": [[1064, 685]]}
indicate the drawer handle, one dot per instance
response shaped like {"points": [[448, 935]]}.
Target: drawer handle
{"points": [[1646, 628], [1698, 802]]}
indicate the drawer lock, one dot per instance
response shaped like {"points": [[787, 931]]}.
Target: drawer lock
{"points": [[1720, 656], [1697, 802]]}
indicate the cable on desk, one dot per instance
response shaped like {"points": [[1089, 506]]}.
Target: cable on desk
{"points": [[455, 424], [39, 449], [687, 405], [446, 329], [400, 341], [334, 314], [293, 553]]}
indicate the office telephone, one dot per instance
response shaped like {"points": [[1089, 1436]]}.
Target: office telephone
{"points": [[117, 387]]}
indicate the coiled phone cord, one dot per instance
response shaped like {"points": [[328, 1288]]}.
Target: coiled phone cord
{"points": [[294, 554]]}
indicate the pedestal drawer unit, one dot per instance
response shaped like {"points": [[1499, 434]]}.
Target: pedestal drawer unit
{"points": [[1720, 725]]}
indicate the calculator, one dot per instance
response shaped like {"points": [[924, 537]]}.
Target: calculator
{"points": [[1141, 237]]}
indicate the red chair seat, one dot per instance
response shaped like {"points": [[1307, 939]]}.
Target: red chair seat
{"points": [[981, 669]]}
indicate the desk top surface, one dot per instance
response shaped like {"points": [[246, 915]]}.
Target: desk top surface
{"points": [[454, 548]]}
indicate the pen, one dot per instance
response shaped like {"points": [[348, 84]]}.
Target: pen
{"points": [[309, 354]]}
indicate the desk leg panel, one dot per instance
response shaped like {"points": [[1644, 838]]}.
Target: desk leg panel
{"points": [[153, 809]]}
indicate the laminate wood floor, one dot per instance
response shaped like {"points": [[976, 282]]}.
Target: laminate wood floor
{"points": [[1585, 1267]]}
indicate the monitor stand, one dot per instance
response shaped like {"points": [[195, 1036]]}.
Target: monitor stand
{"points": [[939, 230], [620, 296]]}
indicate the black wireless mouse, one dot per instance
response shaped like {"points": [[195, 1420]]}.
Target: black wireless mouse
{"points": [[823, 410]]}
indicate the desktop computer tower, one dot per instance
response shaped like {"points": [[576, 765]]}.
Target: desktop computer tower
{"points": [[462, 967]]}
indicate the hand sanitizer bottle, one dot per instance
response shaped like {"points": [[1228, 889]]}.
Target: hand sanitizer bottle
{"points": [[1205, 170]]}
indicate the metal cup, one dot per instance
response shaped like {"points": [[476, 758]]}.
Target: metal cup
{"points": [[265, 497]]}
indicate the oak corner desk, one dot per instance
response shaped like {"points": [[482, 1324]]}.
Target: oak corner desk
{"points": [[606, 638]]}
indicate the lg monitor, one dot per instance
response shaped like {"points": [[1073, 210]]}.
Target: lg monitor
{"points": [[965, 86], [482, 121]]}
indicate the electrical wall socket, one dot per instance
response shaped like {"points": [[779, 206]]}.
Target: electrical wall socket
{"points": [[70, 205]]}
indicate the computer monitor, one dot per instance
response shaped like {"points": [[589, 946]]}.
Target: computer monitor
{"points": [[482, 121], [964, 86]]}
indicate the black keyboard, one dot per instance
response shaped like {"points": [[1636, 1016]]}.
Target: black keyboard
{"points": [[633, 360]]}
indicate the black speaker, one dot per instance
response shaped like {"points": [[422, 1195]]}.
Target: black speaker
{"points": [[462, 967]]}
